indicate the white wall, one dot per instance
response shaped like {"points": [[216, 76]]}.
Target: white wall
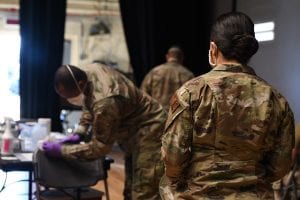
{"points": [[108, 47], [278, 61]]}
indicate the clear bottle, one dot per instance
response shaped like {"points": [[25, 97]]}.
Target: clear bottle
{"points": [[39, 132], [8, 139]]}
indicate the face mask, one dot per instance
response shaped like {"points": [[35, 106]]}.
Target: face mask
{"points": [[210, 59], [77, 101]]}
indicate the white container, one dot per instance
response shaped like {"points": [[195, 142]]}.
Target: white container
{"points": [[26, 145], [39, 132], [8, 139], [25, 136], [46, 122]]}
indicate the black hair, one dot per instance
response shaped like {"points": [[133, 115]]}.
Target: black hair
{"points": [[64, 77], [233, 33]]}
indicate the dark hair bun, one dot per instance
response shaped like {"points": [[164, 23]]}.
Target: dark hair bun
{"points": [[234, 35], [243, 47]]}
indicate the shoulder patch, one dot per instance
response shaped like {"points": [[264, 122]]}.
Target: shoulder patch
{"points": [[174, 103]]}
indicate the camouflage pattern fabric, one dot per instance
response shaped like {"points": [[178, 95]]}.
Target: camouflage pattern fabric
{"points": [[119, 112], [162, 81], [228, 135]]}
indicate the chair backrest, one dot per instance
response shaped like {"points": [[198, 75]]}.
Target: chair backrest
{"points": [[61, 173]]}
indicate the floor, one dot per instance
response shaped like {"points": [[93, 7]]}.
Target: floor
{"points": [[14, 186], [115, 177], [16, 183]]}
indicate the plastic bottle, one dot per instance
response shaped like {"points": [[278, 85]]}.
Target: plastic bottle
{"points": [[7, 144], [25, 137], [39, 132]]}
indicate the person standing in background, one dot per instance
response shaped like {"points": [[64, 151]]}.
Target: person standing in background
{"points": [[163, 80], [229, 134]]}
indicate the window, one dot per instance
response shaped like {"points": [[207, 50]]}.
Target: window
{"points": [[264, 31], [9, 74]]}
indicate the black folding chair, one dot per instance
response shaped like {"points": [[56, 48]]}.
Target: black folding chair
{"points": [[70, 179]]}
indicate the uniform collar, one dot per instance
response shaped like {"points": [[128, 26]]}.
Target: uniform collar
{"points": [[234, 68]]}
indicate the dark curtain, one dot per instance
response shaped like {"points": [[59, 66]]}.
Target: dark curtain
{"points": [[42, 35], [151, 27]]}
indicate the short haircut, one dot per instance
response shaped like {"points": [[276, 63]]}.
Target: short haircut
{"points": [[64, 77], [175, 52]]}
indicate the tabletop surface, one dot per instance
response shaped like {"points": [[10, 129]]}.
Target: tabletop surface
{"points": [[15, 163]]}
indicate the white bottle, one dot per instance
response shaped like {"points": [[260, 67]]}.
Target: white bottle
{"points": [[8, 138], [46, 122], [39, 132]]}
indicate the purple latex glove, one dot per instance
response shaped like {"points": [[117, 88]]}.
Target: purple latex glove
{"points": [[71, 139], [52, 149]]}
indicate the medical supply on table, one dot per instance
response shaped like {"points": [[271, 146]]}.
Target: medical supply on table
{"points": [[8, 139]]}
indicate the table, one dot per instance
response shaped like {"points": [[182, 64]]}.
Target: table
{"points": [[18, 165]]}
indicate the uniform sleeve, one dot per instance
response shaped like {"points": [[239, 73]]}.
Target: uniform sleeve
{"points": [[107, 118], [280, 157], [176, 141], [146, 84], [85, 121]]}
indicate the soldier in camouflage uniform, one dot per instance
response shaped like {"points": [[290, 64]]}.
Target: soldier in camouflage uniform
{"points": [[117, 112], [163, 80], [229, 134]]}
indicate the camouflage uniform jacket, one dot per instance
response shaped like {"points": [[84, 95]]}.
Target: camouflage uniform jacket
{"points": [[162, 81], [228, 133], [118, 112]]}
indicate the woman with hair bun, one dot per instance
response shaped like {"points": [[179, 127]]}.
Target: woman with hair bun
{"points": [[229, 134]]}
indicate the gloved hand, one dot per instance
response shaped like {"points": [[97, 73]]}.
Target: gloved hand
{"points": [[71, 139], [52, 149]]}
